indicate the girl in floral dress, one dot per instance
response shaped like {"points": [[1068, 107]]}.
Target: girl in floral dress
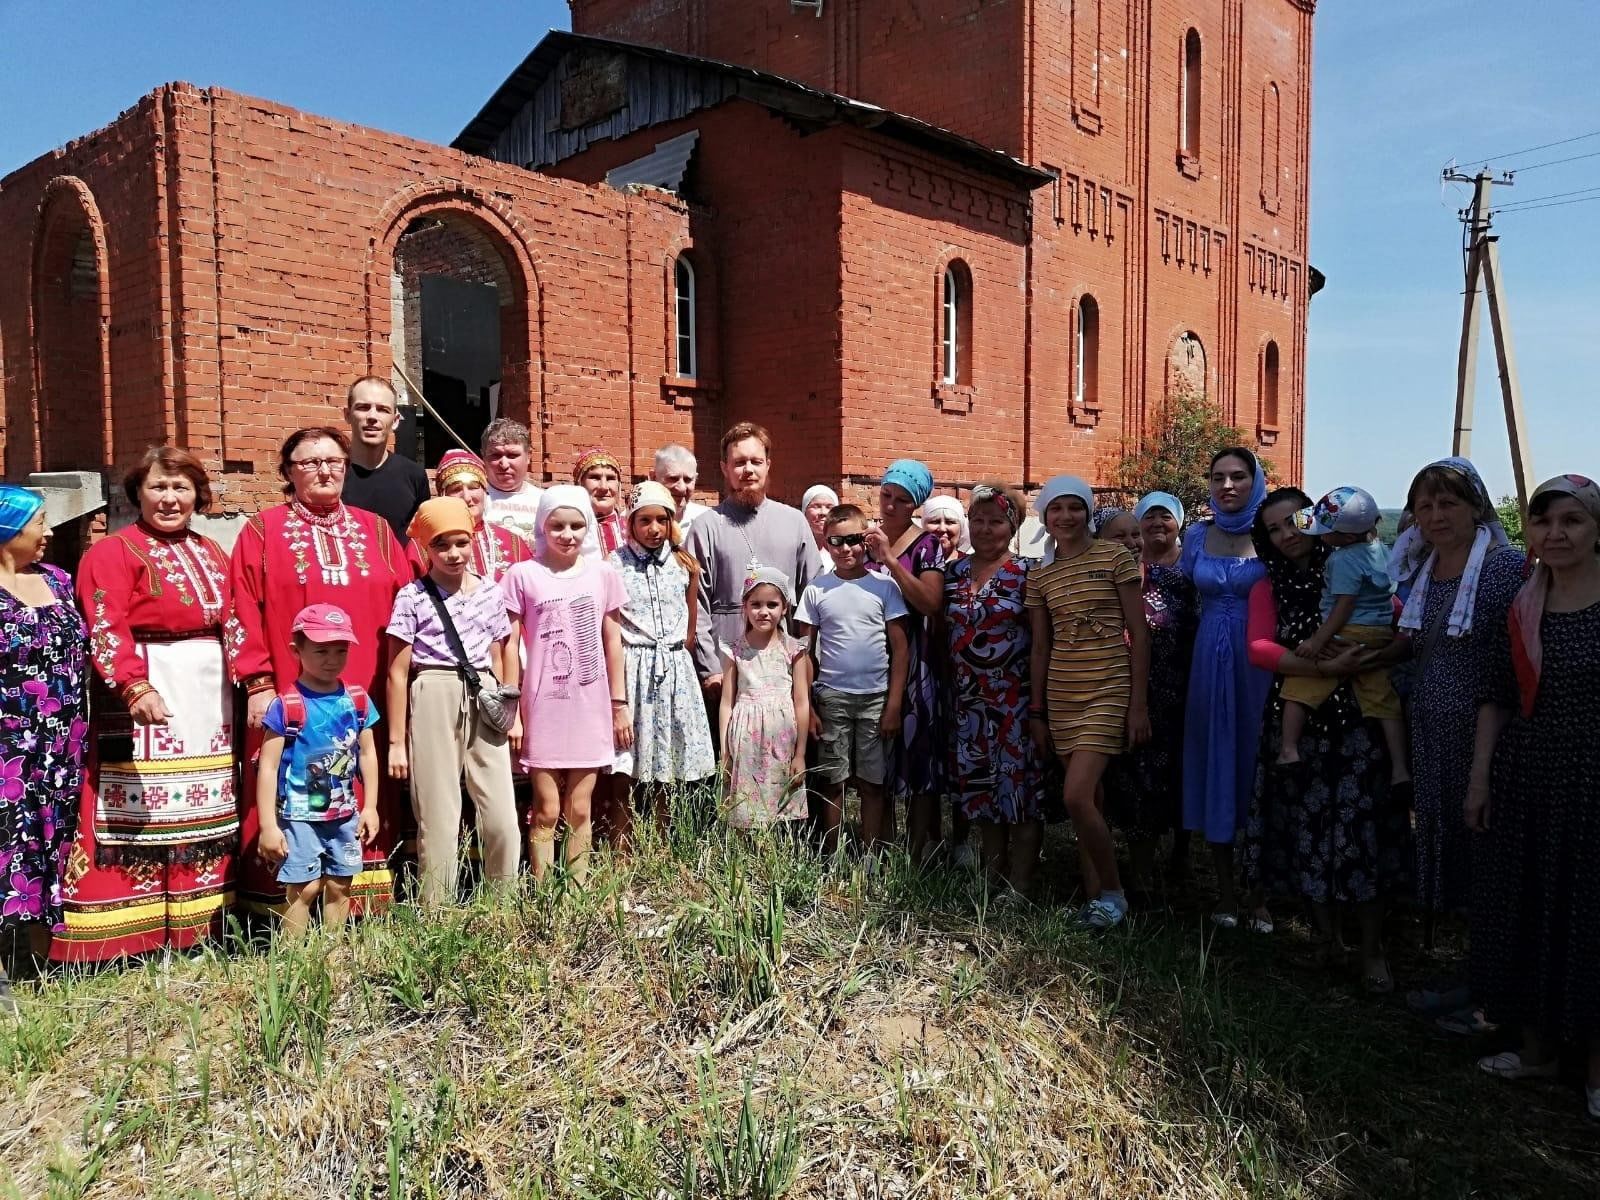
{"points": [[766, 702], [671, 736]]}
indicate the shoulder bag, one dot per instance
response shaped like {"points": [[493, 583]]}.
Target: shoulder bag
{"points": [[496, 701]]}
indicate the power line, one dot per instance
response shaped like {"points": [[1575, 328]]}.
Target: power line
{"points": [[1553, 204], [1530, 149], [1555, 162], [1549, 196]]}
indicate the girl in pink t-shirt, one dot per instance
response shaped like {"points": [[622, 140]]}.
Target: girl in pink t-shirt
{"points": [[574, 714]]}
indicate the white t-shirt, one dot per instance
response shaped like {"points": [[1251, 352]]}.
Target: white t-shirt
{"points": [[517, 511], [852, 618], [691, 510]]}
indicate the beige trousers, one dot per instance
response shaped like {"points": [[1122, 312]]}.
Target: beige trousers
{"points": [[446, 741]]}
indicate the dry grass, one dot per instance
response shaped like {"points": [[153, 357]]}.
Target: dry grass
{"points": [[723, 1018]]}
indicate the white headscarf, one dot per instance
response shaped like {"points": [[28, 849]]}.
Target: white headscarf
{"points": [[560, 495], [1054, 489], [1413, 559], [949, 506], [819, 491]]}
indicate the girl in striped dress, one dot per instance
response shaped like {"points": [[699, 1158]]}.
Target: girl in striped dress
{"points": [[1091, 649]]}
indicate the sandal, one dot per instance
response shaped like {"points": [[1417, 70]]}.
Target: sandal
{"points": [[1509, 1065], [1376, 979], [1225, 920], [1256, 923], [1468, 1022]]}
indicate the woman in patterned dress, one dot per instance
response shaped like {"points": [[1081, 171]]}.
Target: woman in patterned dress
{"points": [[153, 865], [1534, 799], [314, 550], [996, 775], [1460, 575], [1144, 787], [44, 717], [914, 559], [1327, 830], [1090, 665]]}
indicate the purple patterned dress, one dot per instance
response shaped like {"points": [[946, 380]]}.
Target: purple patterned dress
{"points": [[915, 760], [43, 721]]}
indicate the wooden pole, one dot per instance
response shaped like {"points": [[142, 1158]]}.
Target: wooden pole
{"points": [[1467, 356], [430, 409], [1506, 360]]}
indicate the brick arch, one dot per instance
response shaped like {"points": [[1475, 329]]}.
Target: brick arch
{"points": [[496, 230], [70, 314]]}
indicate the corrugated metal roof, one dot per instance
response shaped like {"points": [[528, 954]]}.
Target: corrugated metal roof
{"points": [[511, 102], [663, 167]]}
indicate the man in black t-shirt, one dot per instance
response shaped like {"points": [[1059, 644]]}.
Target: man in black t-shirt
{"points": [[390, 485]]}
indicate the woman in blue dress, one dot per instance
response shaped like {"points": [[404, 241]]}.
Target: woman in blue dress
{"points": [[1222, 723]]}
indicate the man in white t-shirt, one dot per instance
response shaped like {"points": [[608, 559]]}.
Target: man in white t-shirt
{"points": [[513, 500], [855, 619], [678, 471]]}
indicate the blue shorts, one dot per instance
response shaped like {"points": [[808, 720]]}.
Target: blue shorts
{"points": [[318, 848]]}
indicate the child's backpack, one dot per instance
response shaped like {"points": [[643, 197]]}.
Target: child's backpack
{"points": [[294, 710]]}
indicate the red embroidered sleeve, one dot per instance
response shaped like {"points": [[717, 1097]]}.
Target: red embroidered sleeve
{"points": [[247, 577], [107, 584]]}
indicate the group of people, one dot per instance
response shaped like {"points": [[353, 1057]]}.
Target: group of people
{"points": [[1345, 724]]}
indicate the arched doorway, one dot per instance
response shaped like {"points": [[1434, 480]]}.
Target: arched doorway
{"points": [[71, 319], [460, 327]]}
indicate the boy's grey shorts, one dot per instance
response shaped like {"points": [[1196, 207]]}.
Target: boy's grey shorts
{"points": [[852, 747]]}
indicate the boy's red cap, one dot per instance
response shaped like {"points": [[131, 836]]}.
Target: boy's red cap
{"points": [[325, 623]]}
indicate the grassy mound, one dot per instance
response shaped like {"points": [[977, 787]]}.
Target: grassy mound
{"points": [[722, 1017]]}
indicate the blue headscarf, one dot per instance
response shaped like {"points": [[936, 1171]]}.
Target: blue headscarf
{"points": [[911, 476], [1164, 500], [1241, 521], [17, 507]]}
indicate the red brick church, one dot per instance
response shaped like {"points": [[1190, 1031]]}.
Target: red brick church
{"points": [[992, 233]]}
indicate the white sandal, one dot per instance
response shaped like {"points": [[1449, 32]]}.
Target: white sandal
{"points": [[1509, 1065]]}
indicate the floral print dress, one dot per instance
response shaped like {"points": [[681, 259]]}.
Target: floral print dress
{"points": [[995, 770], [762, 736], [43, 727], [914, 758]]}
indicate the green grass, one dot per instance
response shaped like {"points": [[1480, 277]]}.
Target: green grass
{"points": [[721, 1016]]}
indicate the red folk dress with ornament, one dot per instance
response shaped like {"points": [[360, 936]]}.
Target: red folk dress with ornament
{"points": [[153, 862], [495, 550], [286, 558]]}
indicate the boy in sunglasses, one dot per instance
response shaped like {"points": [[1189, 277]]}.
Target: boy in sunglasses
{"points": [[855, 621]]}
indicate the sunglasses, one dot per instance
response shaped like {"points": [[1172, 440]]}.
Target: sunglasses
{"points": [[837, 540]]}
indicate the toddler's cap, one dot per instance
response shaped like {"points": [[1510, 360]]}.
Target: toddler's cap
{"points": [[1343, 510], [325, 623]]}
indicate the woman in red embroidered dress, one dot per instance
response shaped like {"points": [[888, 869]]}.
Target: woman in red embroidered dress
{"points": [[153, 862], [312, 550], [495, 549]]}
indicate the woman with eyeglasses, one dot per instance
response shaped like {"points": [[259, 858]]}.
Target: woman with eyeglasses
{"points": [[312, 549]]}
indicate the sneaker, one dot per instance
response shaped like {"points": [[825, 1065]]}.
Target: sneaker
{"points": [[1594, 1101], [8, 1002], [965, 858], [1509, 1065], [1225, 920], [1106, 912]]}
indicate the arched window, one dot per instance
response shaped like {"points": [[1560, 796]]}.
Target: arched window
{"points": [[1086, 356], [1271, 160], [1189, 108], [1269, 386], [955, 326], [688, 350]]}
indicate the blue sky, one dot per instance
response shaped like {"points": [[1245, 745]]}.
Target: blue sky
{"points": [[1400, 89]]}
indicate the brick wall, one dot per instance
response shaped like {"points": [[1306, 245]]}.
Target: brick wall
{"points": [[1214, 243], [250, 253]]}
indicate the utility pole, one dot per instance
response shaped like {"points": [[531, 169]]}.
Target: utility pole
{"points": [[1483, 271]]}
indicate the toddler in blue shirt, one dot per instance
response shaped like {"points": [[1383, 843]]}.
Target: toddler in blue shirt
{"points": [[1357, 606]]}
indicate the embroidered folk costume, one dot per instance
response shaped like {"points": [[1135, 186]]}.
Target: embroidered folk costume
{"points": [[153, 862], [286, 558]]}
